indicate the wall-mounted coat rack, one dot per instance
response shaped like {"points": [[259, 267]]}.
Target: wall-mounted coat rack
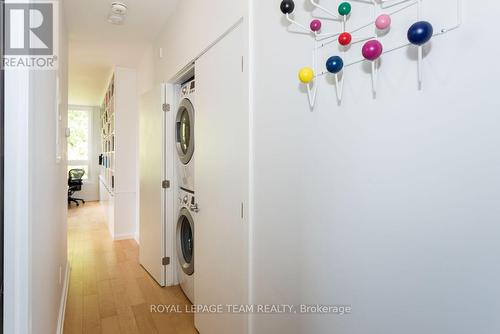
{"points": [[371, 34]]}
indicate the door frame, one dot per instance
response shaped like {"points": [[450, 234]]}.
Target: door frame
{"points": [[173, 88], [2, 159], [169, 214], [17, 234]]}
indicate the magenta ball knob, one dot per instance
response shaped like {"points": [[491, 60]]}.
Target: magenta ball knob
{"points": [[372, 50], [315, 25], [383, 22]]}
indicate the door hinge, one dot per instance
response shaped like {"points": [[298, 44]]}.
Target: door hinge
{"points": [[166, 107], [165, 184], [165, 261]]}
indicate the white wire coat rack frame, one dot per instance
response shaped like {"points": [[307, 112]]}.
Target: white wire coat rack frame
{"points": [[418, 35]]}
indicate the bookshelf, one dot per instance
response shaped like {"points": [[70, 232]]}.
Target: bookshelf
{"points": [[118, 157], [108, 136]]}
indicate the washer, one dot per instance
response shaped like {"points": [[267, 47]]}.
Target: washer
{"points": [[185, 230], [184, 135]]}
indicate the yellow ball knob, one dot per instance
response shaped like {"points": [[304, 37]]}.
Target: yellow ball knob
{"points": [[306, 75]]}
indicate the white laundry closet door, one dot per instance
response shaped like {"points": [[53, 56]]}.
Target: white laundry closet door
{"points": [[152, 172], [221, 183]]}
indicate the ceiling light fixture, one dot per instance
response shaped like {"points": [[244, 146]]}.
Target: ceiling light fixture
{"points": [[115, 19], [117, 13]]}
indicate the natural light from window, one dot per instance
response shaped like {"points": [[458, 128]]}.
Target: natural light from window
{"points": [[79, 122]]}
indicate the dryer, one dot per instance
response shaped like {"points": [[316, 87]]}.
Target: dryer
{"points": [[185, 230], [184, 136]]}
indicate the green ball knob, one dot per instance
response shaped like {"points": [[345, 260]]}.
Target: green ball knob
{"points": [[345, 8]]}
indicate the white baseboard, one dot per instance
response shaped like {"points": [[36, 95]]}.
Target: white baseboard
{"points": [[123, 237], [64, 298]]}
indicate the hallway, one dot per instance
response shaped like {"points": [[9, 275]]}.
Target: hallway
{"points": [[109, 291]]}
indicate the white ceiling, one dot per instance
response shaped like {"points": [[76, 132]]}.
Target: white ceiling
{"points": [[96, 45]]}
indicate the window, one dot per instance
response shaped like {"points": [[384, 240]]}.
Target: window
{"points": [[79, 122]]}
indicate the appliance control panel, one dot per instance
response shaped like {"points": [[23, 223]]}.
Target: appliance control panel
{"points": [[185, 198], [188, 88]]}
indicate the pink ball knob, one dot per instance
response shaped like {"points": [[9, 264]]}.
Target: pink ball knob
{"points": [[372, 50], [383, 22], [315, 25]]}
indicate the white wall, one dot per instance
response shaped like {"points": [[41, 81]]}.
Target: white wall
{"points": [[35, 228], [146, 71], [48, 195], [194, 27], [390, 205]]}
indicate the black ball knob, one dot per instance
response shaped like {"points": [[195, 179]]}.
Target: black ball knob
{"points": [[287, 6]]}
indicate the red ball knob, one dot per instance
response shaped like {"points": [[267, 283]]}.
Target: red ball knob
{"points": [[345, 38]]}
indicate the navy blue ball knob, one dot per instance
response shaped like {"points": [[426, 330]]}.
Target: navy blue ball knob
{"points": [[287, 6], [420, 33], [334, 64]]}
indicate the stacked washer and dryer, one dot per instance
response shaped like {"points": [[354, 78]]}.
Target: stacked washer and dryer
{"points": [[184, 132]]}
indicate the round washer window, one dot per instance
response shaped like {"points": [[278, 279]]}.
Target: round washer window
{"points": [[185, 131], [186, 235], [185, 241]]}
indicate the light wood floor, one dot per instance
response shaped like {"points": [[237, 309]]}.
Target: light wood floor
{"points": [[109, 291]]}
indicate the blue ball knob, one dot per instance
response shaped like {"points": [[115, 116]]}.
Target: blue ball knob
{"points": [[287, 6], [420, 33], [334, 64]]}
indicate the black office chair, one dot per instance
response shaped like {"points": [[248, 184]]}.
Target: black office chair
{"points": [[75, 183]]}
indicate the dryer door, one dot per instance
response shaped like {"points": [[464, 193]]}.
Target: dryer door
{"points": [[185, 131], [185, 241]]}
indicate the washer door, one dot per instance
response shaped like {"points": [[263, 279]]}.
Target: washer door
{"points": [[185, 131], [185, 241]]}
